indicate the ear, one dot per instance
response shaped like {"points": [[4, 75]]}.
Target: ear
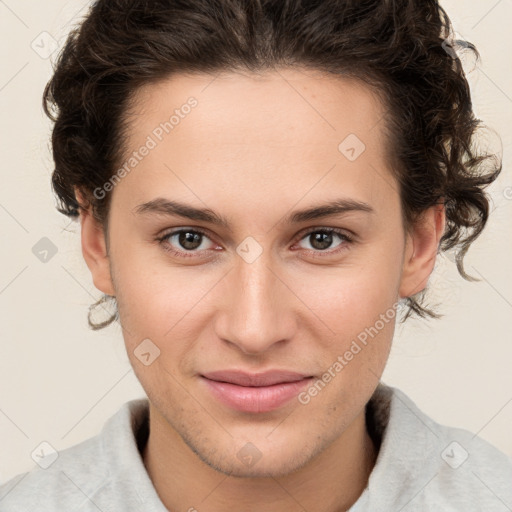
{"points": [[421, 249], [94, 248]]}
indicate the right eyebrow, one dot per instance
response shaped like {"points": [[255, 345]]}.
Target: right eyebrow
{"points": [[161, 206]]}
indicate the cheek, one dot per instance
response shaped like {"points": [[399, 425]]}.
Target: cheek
{"points": [[349, 299], [150, 292], [359, 306], [165, 304], [150, 309], [362, 316]]}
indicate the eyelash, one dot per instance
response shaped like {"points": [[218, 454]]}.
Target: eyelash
{"points": [[348, 239]]}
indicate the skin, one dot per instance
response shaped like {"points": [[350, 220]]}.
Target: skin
{"points": [[255, 149]]}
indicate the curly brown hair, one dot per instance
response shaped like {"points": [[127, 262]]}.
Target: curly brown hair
{"points": [[399, 48]]}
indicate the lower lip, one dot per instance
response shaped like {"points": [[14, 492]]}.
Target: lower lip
{"points": [[255, 399]]}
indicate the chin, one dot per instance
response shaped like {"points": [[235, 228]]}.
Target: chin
{"points": [[268, 469], [249, 462]]}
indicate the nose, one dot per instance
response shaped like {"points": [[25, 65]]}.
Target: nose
{"points": [[257, 309]]}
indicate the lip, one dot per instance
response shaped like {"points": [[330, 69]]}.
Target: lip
{"points": [[255, 393]]}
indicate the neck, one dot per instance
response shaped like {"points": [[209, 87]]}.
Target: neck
{"points": [[330, 482]]}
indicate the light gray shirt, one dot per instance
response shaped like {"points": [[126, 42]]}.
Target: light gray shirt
{"points": [[421, 466]]}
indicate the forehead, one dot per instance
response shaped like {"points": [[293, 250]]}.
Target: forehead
{"points": [[254, 132], [306, 107]]}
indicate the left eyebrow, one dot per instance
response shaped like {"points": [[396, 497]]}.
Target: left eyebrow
{"points": [[336, 207], [174, 208]]}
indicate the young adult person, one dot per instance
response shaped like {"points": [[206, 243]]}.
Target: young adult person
{"points": [[263, 186]]}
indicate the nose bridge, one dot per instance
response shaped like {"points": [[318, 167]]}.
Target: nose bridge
{"points": [[258, 312]]}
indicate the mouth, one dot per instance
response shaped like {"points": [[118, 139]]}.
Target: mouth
{"points": [[255, 393]]}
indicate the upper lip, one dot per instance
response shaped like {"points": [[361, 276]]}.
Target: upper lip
{"points": [[267, 378]]}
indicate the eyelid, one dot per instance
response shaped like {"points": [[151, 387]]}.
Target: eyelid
{"points": [[339, 231]]}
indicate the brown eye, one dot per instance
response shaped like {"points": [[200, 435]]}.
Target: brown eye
{"points": [[323, 239], [186, 242], [189, 240]]}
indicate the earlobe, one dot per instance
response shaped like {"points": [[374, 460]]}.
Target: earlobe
{"points": [[94, 248], [421, 250]]}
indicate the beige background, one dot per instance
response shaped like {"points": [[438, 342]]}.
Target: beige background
{"points": [[59, 381]]}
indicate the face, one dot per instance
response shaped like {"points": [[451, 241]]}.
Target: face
{"points": [[296, 263]]}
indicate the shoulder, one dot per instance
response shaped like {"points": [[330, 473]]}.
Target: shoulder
{"points": [[86, 476], [433, 466], [78, 469]]}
